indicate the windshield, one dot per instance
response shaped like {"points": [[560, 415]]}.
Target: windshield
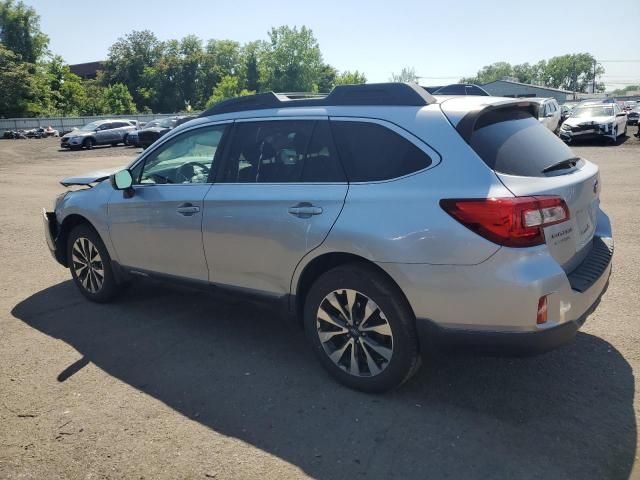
{"points": [[90, 127], [153, 123], [593, 111], [167, 122]]}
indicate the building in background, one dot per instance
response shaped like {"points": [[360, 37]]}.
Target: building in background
{"points": [[510, 88], [87, 71]]}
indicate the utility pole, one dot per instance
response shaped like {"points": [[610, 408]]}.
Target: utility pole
{"points": [[574, 78], [594, 76]]}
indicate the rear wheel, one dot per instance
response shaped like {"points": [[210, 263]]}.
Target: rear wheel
{"points": [[88, 143], [361, 328], [90, 265]]}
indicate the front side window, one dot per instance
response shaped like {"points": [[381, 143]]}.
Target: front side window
{"points": [[187, 158], [372, 152], [282, 151]]}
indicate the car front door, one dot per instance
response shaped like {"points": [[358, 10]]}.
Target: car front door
{"points": [[159, 228], [103, 133], [278, 194]]}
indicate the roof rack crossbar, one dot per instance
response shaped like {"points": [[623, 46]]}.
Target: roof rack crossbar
{"points": [[389, 94]]}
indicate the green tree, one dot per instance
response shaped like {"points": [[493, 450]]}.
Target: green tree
{"points": [[490, 73], [20, 31], [250, 57], [221, 58], [573, 71], [65, 89], [228, 87], [327, 78], [348, 77], [128, 57], [626, 90], [117, 100], [292, 61], [94, 98], [18, 89], [407, 74]]}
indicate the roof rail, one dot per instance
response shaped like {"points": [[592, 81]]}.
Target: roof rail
{"points": [[396, 94]]}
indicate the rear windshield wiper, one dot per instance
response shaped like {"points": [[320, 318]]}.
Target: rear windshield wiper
{"points": [[561, 165]]}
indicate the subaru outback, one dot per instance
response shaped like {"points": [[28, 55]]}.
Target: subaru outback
{"points": [[380, 216]]}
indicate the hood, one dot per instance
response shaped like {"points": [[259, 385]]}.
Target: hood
{"points": [[575, 121], [89, 178], [77, 133], [155, 129]]}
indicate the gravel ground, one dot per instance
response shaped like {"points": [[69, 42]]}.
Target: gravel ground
{"points": [[172, 383]]}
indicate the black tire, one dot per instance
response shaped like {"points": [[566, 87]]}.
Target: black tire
{"points": [[125, 140], [367, 281], [109, 286], [88, 143]]}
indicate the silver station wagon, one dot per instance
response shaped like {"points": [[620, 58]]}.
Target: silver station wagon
{"points": [[385, 219]]}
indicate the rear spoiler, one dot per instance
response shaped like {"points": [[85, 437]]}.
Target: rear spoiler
{"points": [[468, 124]]}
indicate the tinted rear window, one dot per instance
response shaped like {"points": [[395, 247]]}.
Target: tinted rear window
{"points": [[371, 152], [511, 141]]}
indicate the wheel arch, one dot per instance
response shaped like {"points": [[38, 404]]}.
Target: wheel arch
{"points": [[68, 224], [325, 262]]}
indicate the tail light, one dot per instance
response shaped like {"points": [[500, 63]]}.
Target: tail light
{"points": [[512, 222]]}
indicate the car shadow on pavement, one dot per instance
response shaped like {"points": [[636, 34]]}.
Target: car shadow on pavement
{"points": [[241, 370]]}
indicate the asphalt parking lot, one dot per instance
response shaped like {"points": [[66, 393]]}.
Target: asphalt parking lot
{"points": [[173, 383]]}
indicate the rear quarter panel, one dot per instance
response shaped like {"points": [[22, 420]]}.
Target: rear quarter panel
{"points": [[401, 221]]}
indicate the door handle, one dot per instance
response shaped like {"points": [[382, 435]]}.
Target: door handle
{"points": [[305, 210], [187, 209]]}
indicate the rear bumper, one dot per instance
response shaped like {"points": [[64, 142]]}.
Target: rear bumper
{"points": [[506, 343], [494, 304]]}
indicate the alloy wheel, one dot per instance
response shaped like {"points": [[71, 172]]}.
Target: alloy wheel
{"points": [[354, 332], [87, 264]]}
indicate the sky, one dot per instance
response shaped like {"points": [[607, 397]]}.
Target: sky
{"points": [[442, 40]]}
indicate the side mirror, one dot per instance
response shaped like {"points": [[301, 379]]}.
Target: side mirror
{"points": [[123, 180], [621, 114]]}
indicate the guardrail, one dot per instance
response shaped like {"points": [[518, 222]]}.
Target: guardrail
{"points": [[68, 123]]}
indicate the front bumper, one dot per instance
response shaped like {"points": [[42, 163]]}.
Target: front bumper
{"points": [[592, 131], [51, 230]]}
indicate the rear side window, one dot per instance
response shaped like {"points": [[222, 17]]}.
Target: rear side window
{"points": [[511, 141], [282, 151], [371, 152]]}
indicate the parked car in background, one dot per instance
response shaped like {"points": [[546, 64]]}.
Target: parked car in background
{"points": [[565, 111], [458, 89], [100, 132], [132, 138], [549, 113], [632, 116], [590, 120], [149, 135], [630, 104], [373, 214]]}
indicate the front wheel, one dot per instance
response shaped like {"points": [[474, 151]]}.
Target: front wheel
{"points": [[88, 143], [90, 265], [362, 328]]}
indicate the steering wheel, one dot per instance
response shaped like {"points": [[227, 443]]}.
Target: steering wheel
{"points": [[187, 172]]}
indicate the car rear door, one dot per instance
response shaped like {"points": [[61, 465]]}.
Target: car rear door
{"points": [[279, 192]]}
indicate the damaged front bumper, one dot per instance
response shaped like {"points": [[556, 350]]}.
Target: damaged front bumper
{"points": [[594, 130]]}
